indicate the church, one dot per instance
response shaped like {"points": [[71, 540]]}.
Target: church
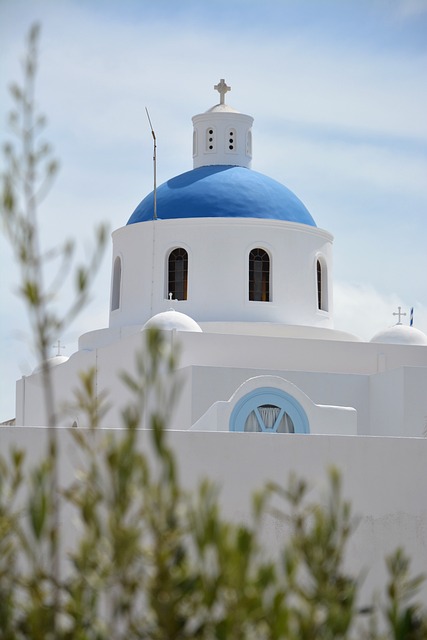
{"points": [[232, 267], [231, 264]]}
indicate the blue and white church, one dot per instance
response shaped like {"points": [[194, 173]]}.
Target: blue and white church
{"points": [[230, 263], [232, 267]]}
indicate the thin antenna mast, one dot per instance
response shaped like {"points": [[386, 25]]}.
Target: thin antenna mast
{"points": [[154, 164]]}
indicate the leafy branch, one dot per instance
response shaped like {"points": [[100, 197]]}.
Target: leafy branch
{"points": [[28, 176], [150, 560], [27, 179]]}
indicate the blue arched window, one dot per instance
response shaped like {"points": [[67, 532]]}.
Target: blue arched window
{"points": [[269, 410]]}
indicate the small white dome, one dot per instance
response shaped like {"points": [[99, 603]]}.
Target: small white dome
{"points": [[222, 108], [51, 362], [168, 320], [401, 334]]}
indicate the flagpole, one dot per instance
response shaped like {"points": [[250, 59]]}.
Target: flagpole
{"points": [[154, 165]]}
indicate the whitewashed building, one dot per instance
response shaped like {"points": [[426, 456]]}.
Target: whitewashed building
{"points": [[231, 265]]}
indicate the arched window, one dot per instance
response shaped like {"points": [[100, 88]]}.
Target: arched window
{"points": [[249, 143], [269, 410], [194, 143], [269, 418], [178, 274], [322, 286], [117, 281], [319, 285], [259, 276]]}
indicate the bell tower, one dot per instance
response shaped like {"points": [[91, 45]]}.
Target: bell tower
{"points": [[222, 135]]}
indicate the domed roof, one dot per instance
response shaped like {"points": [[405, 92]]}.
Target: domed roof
{"points": [[168, 320], [51, 362], [401, 334], [223, 191], [222, 108]]}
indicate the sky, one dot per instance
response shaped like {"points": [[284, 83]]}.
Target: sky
{"points": [[338, 92]]}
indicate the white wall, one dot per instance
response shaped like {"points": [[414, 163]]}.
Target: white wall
{"points": [[210, 384], [384, 478], [218, 251], [220, 119], [323, 419], [389, 402], [399, 401]]}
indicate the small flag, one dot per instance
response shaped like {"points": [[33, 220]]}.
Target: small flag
{"points": [[411, 321]]}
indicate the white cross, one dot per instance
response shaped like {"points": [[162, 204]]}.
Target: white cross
{"points": [[58, 346], [170, 296], [399, 314], [222, 89]]}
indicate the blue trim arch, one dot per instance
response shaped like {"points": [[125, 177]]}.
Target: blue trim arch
{"points": [[269, 396]]}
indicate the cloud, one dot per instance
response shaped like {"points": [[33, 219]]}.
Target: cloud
{"points": [[410, 9], [362, 310], [304, 75]]}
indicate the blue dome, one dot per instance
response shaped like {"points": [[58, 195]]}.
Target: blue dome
{"points": [[223, 191]]}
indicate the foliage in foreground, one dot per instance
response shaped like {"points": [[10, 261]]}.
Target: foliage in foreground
{"points": [[150, 560]]}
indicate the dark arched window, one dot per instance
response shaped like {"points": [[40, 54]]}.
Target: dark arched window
{"points": [[178, 274], [322, 286], [117, 281], [259, 276]]}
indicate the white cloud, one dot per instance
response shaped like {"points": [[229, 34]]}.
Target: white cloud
{"points": [[410, 9], [345, 164], [362, 310]]}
